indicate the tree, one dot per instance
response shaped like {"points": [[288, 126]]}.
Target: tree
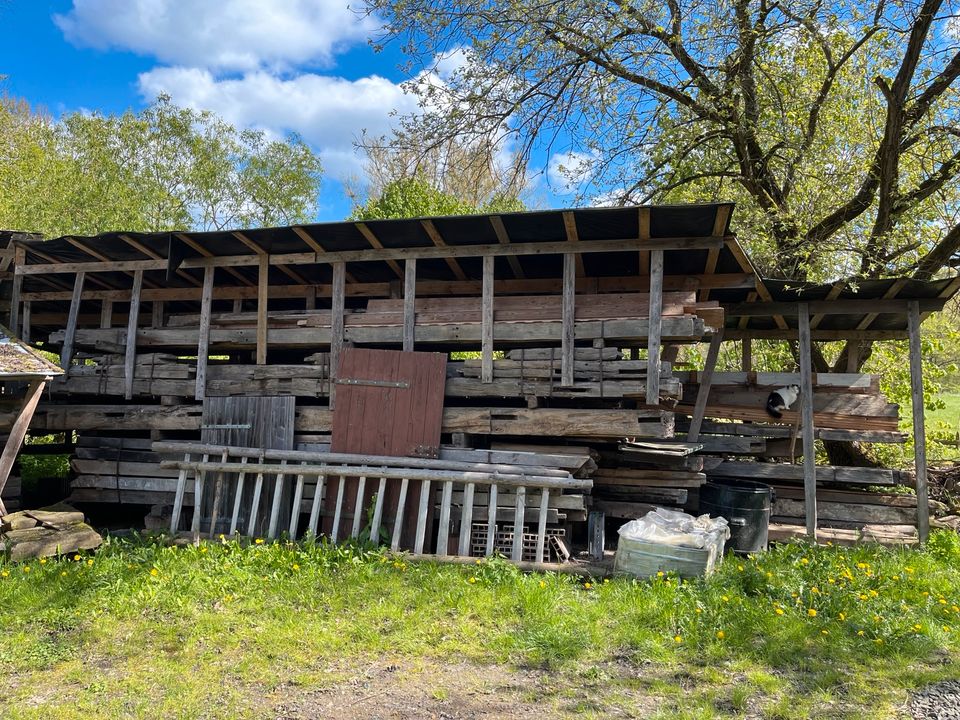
{"points": [[834, 124], [410, 197], [164, 168]]}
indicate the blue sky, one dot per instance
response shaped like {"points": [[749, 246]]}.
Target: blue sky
{"points": [[300, 65]]}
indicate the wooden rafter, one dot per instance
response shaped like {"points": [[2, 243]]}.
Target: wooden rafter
{"points": [[316, 247], [102, 258], [832, 295], [762, 292], [374, 242], [437, 239], [643, 232], [197, 247], [891, 293], [570, 226], [140, 247], [53, 260], [258, 249], [503, 237], [713, 255]]}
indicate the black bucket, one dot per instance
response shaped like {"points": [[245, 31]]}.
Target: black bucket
{"points": [[746, 505]]}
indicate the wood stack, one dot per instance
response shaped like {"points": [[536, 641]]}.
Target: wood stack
{"points": [[52, 531]]}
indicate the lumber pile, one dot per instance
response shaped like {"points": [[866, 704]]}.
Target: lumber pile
{"points": [[43, 533]]}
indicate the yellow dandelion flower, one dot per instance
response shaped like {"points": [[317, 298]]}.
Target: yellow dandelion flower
{"points": [[90, 562], [831, 581], [606, 580], [779, 611], [824, 632], [472, 580], [76, 558], [794, 595], [740, 568], [873, 593], [879, 641], [946, 628], [769, 574], [698, 611], [860, 633], [258, 541], [804, 561], [203, 549], [842, 616], [909, 569], [925, 593], [815, 590], [660, 573], [720, 635], [862, 566], [677, 639], [942, 601], [725, 598], [26, 569], [918, 627], [296, 567], [154, 572], [43, 561], [542, 584], [587, 585], [877, 618], [4, 573], [811, 612], [479, 561], [863, 596], [955, 608], [63, 574]]}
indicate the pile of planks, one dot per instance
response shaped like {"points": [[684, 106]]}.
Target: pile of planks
{"points": [[57, 530]]}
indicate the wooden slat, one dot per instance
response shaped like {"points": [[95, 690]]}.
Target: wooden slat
{"points": [[16, 290], [491, 520], [656, 324], [70, 333], [263, 294], [255, 505], [217, 496], [297, 499], [806, 397], [318, 496], [422, 516], [466, 520], [398, 520], [199, 478], [919, 432], [443, 530], [746, 355], [275, 504], [516, 552], [409, 304], [891, 293], [338, 510], [25, 331], [703, 393], [178, 497], [197, 247], [835, 291], [378, 512], [542, 523], [570, 226], [106, 313], [238, 498], [130, 354], [486, 321], [358, 508], [203, 346], [503, 237], [568, 321]]}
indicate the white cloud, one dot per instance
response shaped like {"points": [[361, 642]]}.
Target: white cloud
{"points": [[566, 172], [329, 112], [237, 35]]}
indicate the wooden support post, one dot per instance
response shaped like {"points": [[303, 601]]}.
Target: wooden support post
{"points": [[336, 326], [156, 314], [19, 258], [19, 431], [106, 314], [203, 346], [486, 322], [656, 319], [130, 357], [853, 356], [569, 316], [519, 512], [491, 521], [310, 298], [919, 431], [806, 396], [70, 332], [746, 349], [706, 378], [25, 331], [596, 525], [409, 304], [263, 286]]}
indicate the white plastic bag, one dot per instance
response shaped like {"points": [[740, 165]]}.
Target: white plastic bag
{"points": [[670, 527]]}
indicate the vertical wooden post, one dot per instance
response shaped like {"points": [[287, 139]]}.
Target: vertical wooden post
{"points": [[203, 345], [156, 314], [596, 522], [853, 355], [66, 353], [25, 331], [130, 358], [19, 259], [656, 321], [310, 299], [486, 322], [919, 430], [706, 378], [19, 431], [263, 286], [336, 325], [409, 304], [746, 349], [569, 316], [806, 396], [106, 314]]}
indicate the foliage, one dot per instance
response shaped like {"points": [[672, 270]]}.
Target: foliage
{"points": [[115, 629], [416, 197], [163, 168]]}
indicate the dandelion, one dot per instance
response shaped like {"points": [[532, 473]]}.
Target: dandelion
{"points": [[815, 590], [90, 562], [76, 558], [779, 611], [26, 569], [154, 572], [918, 627], [804, 561], [63, 574], [769, 574], [925, 593], [873, 593], [677, 639], [863, 596], [946, 628], [698, 611], [725, 598], [879, 641], [43, 561], [222, 537], [479, 561], [542, 584], [203, 549], [4, 573], [862, 566], [942, 601], [955, 608], [740, 568], [794, 595], [720, 635], [258, 541], [909, 570], [587, 585], [842, 616], [824, 632], [877, 618], [296, 567], [811, 612], [472, 580], [860, 633], [831, 581], [606, 580], [660, 573]]}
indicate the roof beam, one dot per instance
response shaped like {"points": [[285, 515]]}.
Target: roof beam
{"points": [[140, 247], [197, 247], [316, 247], [832, 295], [372, 239], [437, 239], [713, 255], [503, 237], [258, 249], [891, 292], [570, 226], [103, 258], [832, 307]]}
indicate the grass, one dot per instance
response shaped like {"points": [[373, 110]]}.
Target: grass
{"points": [[141, 629]]}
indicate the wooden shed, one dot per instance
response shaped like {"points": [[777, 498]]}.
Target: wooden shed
{"points": [[307, 379]]}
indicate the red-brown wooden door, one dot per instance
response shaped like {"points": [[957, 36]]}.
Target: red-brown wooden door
{"points": [[389, 403]]}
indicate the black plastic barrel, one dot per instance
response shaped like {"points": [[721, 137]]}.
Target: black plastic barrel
{"points": [[746, 505]]}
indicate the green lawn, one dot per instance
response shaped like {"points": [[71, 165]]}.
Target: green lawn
{"points": [[140, 629]]}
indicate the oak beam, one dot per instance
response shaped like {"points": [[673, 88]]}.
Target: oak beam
{"points": [[919, 430], [806, 397]]}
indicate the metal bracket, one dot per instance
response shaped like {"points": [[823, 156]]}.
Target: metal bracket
{"points": [[245, 426], [374, 383]]}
